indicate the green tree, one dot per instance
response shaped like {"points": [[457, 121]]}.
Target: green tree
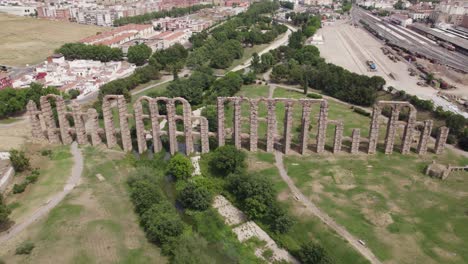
{"points": [[191, 249], [138, 54], [456, 123], [73, 93], [228, 159], [161, 223], [180, 167], [312, 253], [144, 194], [4, 212], [19, 160], [211, 114], [195, 197]]}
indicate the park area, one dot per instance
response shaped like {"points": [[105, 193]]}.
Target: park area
{"points": [[28, 40]]}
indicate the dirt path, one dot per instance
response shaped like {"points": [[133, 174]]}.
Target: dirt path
{"points": [[340, 230], [73, 181]]}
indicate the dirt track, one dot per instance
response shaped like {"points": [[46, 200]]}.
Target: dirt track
{"points": [[340, 230]]}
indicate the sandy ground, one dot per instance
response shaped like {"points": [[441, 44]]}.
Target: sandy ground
{"points": [[28, 40], [14, 135]]}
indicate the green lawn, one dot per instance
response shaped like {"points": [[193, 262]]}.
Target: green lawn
{"points": [[8, 120], [94, 224]]}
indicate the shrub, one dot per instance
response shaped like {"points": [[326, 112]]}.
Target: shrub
{"points": [[73, 93], [180, 167], [4, 211], [195, 197], [228, 159], [46, 152], [162, 224], [19, 160], [24, 248], [314, 96], [19, 188], [144, 194], [311, 253], [361, 111], [32, 178]]}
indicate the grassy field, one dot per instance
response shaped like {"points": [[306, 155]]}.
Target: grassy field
{"points": [[28, 40], [94, 224]]}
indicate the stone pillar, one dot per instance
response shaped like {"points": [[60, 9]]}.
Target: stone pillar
{"points": [[253, 124], [49, 120], [305, 123], [63, 122], [140, 126], [441, 139], [288, 119], [237, 123], [124, 128], [391, 130], [205, 142], [94, 121], [156, 130], [338, 137], [108, 122], [408, 134], [374, 129], [322, 127], [221, 120], [356, 138], [33, 113], [187, 118], [171, 122], [271, 125], [80, 130], [424, 137]]}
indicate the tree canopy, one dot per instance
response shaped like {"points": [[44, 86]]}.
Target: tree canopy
{"points": [[180, 167], [139, 54], [80, 51]]}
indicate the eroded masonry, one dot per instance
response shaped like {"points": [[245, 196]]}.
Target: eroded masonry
{"points": [[171, 120]]}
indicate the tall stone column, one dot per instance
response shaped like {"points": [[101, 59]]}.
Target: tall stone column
{"points": [[356, 138], [305, 123], [237, 123], [63, 122], [322, 127], [205, 142], [33, 113], [337, 142], [253, 124], [49, 120], [221, 121], [108, 122], [408, 134], [424, 137], [124, 128], [391, 130], [271, 125], [171, 122], [288, 119], [80, 130], [156, 130], [187, 118], [94, 131], [374, 129], [140, 126], [441, 139]]}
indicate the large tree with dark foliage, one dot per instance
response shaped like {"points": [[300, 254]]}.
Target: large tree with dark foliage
{"points": [[80, 51], [139, 54]]}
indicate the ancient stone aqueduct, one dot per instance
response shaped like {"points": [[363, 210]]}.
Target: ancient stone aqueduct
{"points": [[86, 126]]}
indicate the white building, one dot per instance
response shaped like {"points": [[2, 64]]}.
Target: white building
{"points": [[18, 10]]}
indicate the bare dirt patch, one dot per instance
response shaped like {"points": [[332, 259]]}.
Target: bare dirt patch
{"points": [[380, 219]]}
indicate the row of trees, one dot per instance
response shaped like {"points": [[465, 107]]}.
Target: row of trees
{"points": [[80, 51], [13, 101], [146, 18]]}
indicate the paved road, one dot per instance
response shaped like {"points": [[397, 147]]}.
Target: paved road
{"points": [[73, 180], [311, 207]]}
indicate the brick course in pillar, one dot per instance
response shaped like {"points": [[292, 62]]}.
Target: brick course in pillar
{"points": [[171, 122], [140, 125], [94, 121], [408, 133], [374, 129], [441, 139], [355, 140], [205, 142], [187, 118], [337, 142], [288, 122], [424, 137], [305, 121], [155, 129], [253, 125], [49, 120], [391, 130], [124, 128], [221, 120], [33, 114], [271, 125], [322, 127], [108, 122], [237, 123], [63, 122], [80, 130]]}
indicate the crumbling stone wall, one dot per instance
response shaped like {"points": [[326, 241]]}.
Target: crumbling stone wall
{"points": [[86, 125]]}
